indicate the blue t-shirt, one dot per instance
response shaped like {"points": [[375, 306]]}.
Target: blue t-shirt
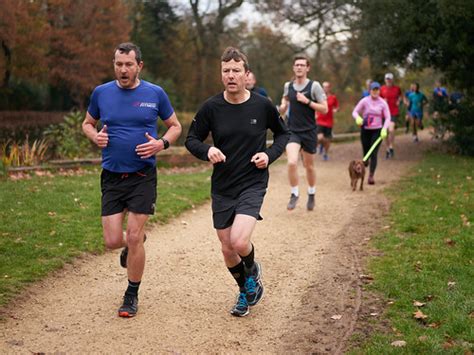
{"points": [[128, 114], [417, 99]]}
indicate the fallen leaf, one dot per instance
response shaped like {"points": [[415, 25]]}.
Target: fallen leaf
{"points": [[451, 284], [418, 304], [336, 316], [184, 223], [449, 242], [52, 214], [434, 325], [374, 314], [419, 315], [418, 266], [399, 343], [428, 297], [52, 233], [365, 277], [448, 344], [468, 177], [423, 338]]}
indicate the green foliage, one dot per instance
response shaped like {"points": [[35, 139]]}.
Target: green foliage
{"points": [[435, 33], [427, 257], [47, 221], [67, 138], [460, 122]]}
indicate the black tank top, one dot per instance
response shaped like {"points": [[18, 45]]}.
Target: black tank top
{"points": [[301, 117]]}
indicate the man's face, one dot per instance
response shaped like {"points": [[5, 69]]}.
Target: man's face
{"points": [[250, 81], [388, 81], [233, 76], [327, 88], [300, 68], [126, 69]]}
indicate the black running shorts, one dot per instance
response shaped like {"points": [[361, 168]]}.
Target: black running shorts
{"points": [[135, 192], [308, 140], [224, 208], [325, 131]]}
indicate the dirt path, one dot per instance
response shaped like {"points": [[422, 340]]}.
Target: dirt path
{"points": [[311, 266]]}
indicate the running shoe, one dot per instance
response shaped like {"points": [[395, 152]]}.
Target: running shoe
{"points": [[415, 139], [310, 203], [325, 157], [321, 149], [241, 308], [129, 307], [124, 254], [292, 203], [387, 154], [253, 288], [371, 180], [392, 153]]}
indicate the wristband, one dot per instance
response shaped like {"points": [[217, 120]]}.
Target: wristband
{"points": [[309, 102], [166, 144]]}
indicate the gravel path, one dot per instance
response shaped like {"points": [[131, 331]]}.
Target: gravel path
{"points": [[312, 262]]}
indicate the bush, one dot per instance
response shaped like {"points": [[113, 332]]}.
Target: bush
{"points": [[18, 125], [67, 139], [23, 154], [460, 121]]}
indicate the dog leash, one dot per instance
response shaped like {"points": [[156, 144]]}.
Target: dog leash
{"points": [[367, 156]]}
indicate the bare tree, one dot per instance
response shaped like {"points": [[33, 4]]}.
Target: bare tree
{"points": [[322, 19], [209, 28]]}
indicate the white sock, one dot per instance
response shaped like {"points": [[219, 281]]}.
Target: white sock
{"points": [[311, 190], [295, 191]]}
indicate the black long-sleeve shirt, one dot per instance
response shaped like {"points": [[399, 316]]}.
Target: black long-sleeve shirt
{"points": [[239, 131]]}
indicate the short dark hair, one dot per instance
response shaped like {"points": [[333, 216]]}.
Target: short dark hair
{"points": [[301, 56], [235, 54], [127, 47]]}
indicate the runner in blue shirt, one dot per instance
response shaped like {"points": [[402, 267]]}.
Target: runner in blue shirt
{"points": [[128, 109], [416, 101]]}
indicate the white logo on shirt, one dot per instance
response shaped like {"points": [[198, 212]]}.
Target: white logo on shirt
{"points": [[253, 121]]}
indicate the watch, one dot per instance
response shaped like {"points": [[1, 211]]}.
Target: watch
{"points": [[166, 144]]}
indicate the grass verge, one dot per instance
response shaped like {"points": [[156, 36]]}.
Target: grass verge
{"points": [[428, 257], [47, 221]]}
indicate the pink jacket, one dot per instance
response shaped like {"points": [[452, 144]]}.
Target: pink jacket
{"points": [[375, 112]]}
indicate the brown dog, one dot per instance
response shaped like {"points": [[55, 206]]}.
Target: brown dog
{"points": [[357, 171]]}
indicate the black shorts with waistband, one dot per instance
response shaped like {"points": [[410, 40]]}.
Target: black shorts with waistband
{"points": [[248, 202], [135, 191]]}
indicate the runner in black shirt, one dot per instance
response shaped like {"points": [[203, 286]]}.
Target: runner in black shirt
{"points": [[238, 122], [303, 97]]}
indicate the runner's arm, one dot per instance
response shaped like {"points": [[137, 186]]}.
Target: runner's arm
{"points": [[198, 132], [280, 136]]}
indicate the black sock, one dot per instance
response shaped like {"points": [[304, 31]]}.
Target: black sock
{"points": [[132, 288], [249, 259], [238, 272]]}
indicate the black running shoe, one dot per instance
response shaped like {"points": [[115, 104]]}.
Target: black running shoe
{"points": [[392, 153], [387, 154], [129, 307], [292, 203], [310, 203], [254, 286], [124, 254], [241, 308]]}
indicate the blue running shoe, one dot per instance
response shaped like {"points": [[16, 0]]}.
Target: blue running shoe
{"points": [[325, 157], [254, 286], [241, 308], [321, 149]]}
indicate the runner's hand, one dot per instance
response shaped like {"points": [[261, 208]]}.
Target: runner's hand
{"points": [[215, 155], [260, 160], [301, 98], [383, 133], [150, 148], [359, 121], [102, 138]]}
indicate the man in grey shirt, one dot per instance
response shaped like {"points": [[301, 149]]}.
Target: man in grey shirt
{"points": [[303, 97]]}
